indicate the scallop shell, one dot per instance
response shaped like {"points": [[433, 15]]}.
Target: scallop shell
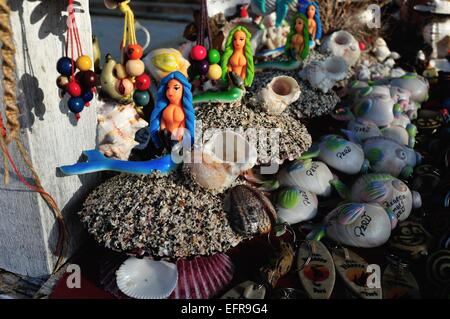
{"points": [[146, 278], [203, 277], [250, 212]]}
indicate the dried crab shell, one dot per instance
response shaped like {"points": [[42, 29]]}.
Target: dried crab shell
{"points": [[250, 212]]}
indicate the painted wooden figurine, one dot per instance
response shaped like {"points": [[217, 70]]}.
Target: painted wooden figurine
{"points": [[238, 56], [311, 10], [297, 45], [173, 117]]}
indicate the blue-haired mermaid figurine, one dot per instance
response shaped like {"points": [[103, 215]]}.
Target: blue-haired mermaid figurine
{"points": [[311, 10], [173, 116]]}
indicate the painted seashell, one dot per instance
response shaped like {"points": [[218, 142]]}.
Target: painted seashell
{"points": [[279, 264], [344, 45], [417, 85], [363, 129], [317, 276], [354, 272], [397, 133], [387, 191], [279, 94], [363, 225], [117, 126], [147, 279], [324, 74], [203, 277], [343, 155], [377, 108], [295, 206], [250, 212], [312, 176], [387, 156], [161, 62], [221, 160]]}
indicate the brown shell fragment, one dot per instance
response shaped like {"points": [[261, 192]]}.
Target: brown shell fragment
{"points": [[250, 212]]}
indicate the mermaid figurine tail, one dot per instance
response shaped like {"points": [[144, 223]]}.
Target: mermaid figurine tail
{"points": [[97, 162]]}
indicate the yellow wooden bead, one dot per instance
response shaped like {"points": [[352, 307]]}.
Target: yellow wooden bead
{"points": [[84, 63], [214, 72]]}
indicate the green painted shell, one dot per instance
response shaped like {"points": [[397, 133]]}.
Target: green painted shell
{"points": [[289, 198]]}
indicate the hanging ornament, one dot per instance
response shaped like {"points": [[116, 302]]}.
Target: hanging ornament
{"points": [[79, 85], [126, 81]]}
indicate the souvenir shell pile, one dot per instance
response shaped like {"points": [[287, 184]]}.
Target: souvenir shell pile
{"points": [[331, 200]]}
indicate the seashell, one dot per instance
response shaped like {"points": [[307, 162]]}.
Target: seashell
{"points": [[438, 266], [378, 108], [147, 279], [311, 176], [343, 44], [221, 160], [396, 133], [363, 129], [203, 277], [341, 154], [250, 212], [324, 74], [161, 62], [359, 225], [117, 126], [387, 156], [279, 264], [387, 191], [417, 85], [279, 94], [295, 206], [399, 283]]}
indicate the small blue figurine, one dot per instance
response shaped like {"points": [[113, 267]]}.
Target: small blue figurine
{"points": [[311, 10], [172, 119]]}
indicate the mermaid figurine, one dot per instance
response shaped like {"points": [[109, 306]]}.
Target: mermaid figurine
{"points": [[311, 10], [297, 44], [238, 56], [173, 113], [172, 120]]}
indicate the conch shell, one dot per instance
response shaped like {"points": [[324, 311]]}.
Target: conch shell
{"points": [[278, 94], [117, 126], [221, 160]]}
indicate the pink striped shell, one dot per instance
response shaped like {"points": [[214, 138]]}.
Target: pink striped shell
{"points": [[203, 277]]}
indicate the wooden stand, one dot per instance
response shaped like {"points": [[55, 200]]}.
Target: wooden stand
{"points": [[53, 137]]}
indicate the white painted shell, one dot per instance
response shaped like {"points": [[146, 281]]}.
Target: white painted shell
{"points": [[117, 126], [279, 94], [218, 163], [387, 191], [147, 279], [380, 111], [305, 208], [363, 129], [417, 85], [343, 44], [324, 74], [397, 133], [314, 178], [359, 225], [345, 156]]}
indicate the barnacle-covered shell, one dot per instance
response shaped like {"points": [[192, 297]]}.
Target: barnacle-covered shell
{"points": [[250, 212]]}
